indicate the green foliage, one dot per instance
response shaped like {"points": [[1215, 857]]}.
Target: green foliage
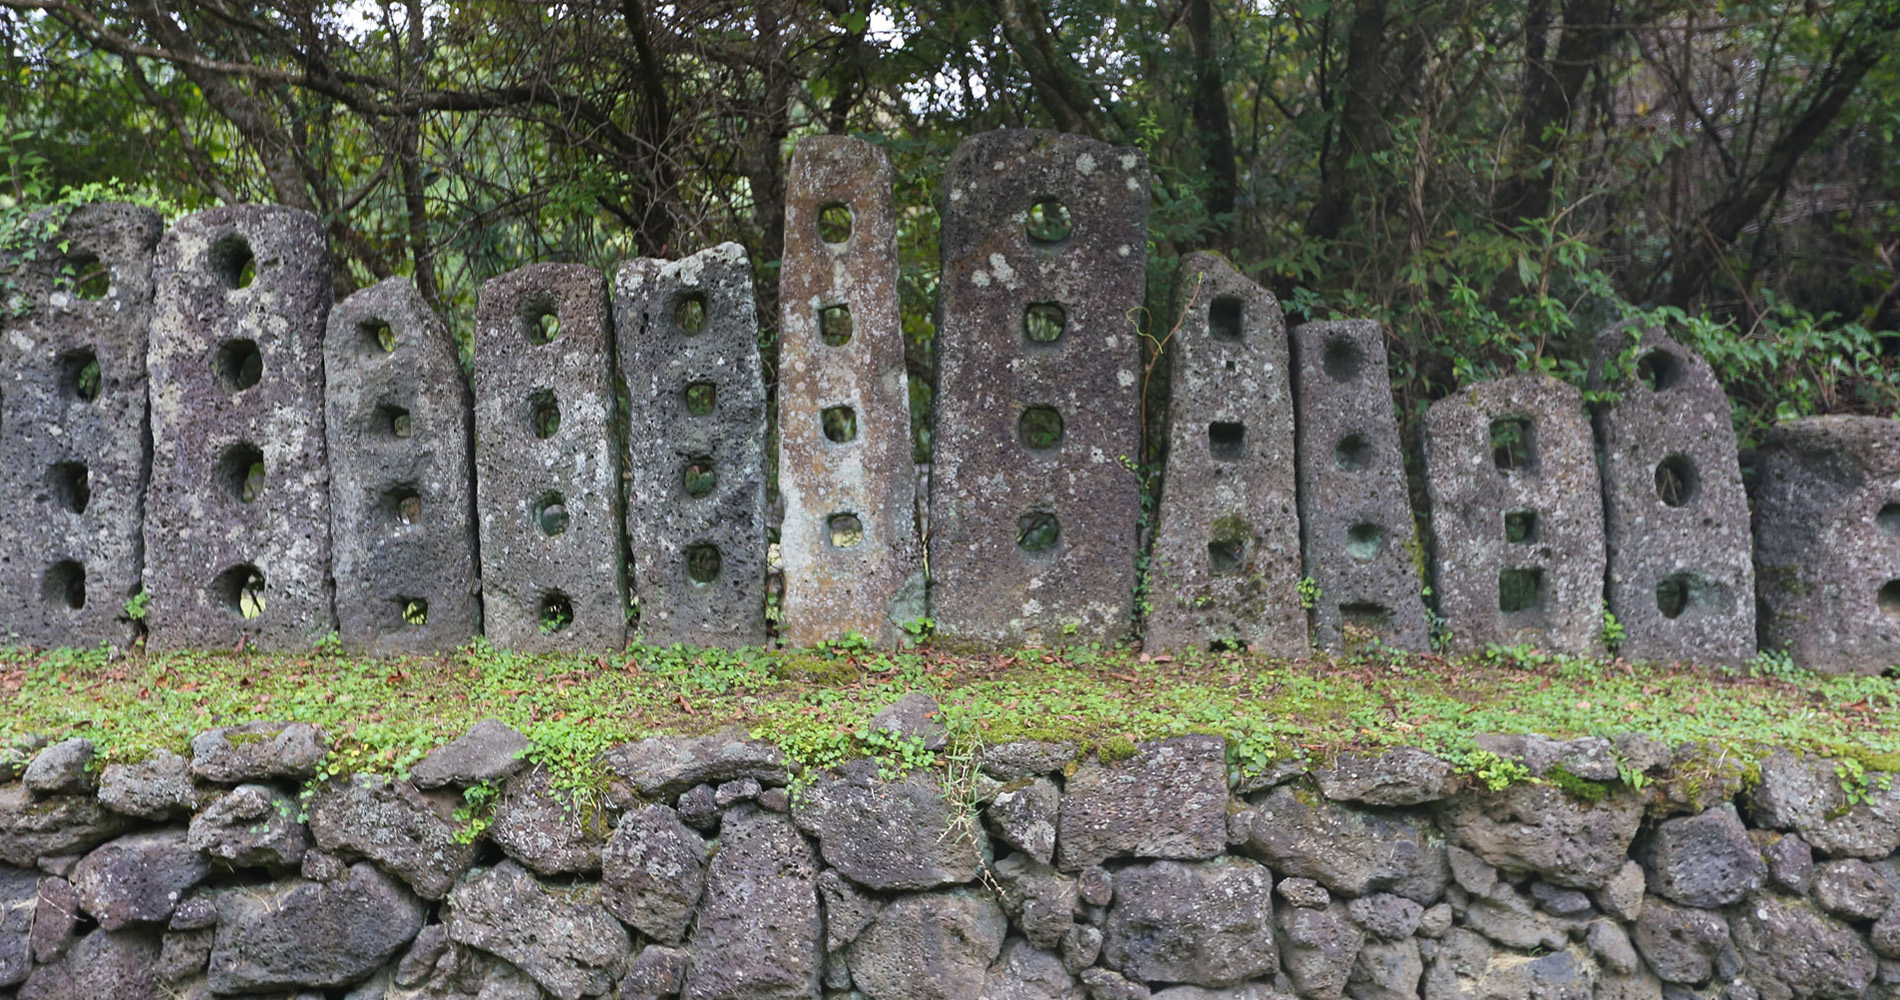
{"points": [[1309, 592], [1612, 632], [473, 817], [138, 605]]}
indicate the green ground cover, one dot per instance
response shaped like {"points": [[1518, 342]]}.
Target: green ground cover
{"points": [[383, 714]]}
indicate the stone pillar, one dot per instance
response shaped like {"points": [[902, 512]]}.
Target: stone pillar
{"points": [[73, 443], [1517, 517], [1360, 543], [401, 512], [1682, 576], [689, 351], [547, 469], [1032, 513], [1827, 543], [849, 538], [1226, 565], [237, 522]]}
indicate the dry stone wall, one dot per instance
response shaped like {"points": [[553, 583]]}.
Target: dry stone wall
{"points": [[602, 467], [719, 870]]}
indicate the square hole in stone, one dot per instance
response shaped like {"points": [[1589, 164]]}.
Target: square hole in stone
{"points": [[1512, 447], [1226, 441], [1223, 318], [80, 375], [1225, 556], [1520, 590], [90, 277], [840, 424], [376, 336], [1520, 527]]}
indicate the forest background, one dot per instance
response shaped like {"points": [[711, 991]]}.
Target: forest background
{"points": [[1495, 180]]}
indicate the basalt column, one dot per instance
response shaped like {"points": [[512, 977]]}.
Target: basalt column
{"points": [[1360, 544], [401, 514], [849, 538], [73, 428], [1032, 513], [1827, 543], [1226, 566], [547, 464], [1517, 517], [1682, 575], [689, 351], [237, 522]]}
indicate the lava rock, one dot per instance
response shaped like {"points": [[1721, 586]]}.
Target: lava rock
{"points": [[1318, 947], [1852, 889], [1208, 923], [1027, 973], [1105, 985], [19, 902], [252, 826], [898, 834], [138, 878], [1798, 792], [296, 934], [653, 871], [61, 769], [1540, 828], [664, 766], [1167, 801], [1023, 815], [758, 932], [490, 752], [55, 916], [1681, 943], [1024, 759], [1792, 950], [1349, 851], [157, 788], [657, 971], [102, 965], [929, 947], [848, 909], [1404, 776], [392, 824], [1386, 970], [1040, 900], [561, 937], [1386, 916], [543, 830], [915, 716], [1705, 860], [257, 751], [31, 828]]}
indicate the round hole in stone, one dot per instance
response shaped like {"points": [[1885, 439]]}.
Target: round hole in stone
{"points": [[64, 585], [550, 513], [1676, 481], [1048, 221], [392, 420], [840, 423], [1043, 322], [415, 610], [1039, 428], [80, 375], [1676, 593], [240, 472], [544, 413], [834, 223], [556, 612], [70, 486], [238, 364], [1889, 598], [701, 397], [1341, 359], [846, 530], [834, 325], [404, 505], [1659, 370], [1888, 520], [689, 311], [233, 262], [241, 590], [1364, 540], [1037, 531], [376, 336], [702, 565], [1353, 452], [541, 322], [699, 478], [90, 277]]}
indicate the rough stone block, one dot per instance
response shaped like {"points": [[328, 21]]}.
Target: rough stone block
{"points": [[1517, 517], [1358, 536], [402, 519], [689, 352], [547, 484], [237, 520], [1226, 565], [1682, 577], [849, 538], [73, 427], [1032, 516], [1827, 543]]}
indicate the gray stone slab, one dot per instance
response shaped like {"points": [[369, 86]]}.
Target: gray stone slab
{"points": [[73, 427], [696, 499], [1517, 517], [1675, 516], [547, 463], [1360, 541], [237, 520], [849, 538], [1226, 563], [1044, 259], [1827, 543], [402, 517]]}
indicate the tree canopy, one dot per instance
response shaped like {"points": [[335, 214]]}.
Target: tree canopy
{"points": [[1496, 180]]}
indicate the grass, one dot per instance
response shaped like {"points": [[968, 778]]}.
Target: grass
{"points": [[383, 714]]}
